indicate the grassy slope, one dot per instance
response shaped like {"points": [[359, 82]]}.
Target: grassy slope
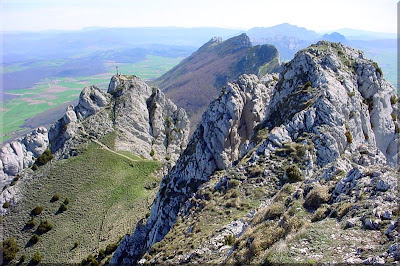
{"points": [[107, 198]]}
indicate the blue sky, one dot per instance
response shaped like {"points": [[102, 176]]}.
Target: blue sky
{"points": [[319, 15]]}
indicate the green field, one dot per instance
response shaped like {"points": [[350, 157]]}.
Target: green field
{"points": [[50, 93], [108, 195]]}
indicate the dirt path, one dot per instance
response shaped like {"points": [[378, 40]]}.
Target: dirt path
{"points": [[116, 153]]}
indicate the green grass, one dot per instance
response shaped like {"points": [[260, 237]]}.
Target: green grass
{"points": [[50, 93], [107, 197]]}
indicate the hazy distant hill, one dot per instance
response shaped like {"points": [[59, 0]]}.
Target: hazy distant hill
{"points": [[197, 80]]}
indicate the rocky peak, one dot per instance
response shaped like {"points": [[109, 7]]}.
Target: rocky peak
{"points": [[147, 123], [215, 144], [330, 103], [334, 93]]}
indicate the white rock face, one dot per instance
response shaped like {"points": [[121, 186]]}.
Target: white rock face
{"points": [[146, 122], [333, 93], [21, 154], [216, 143], [329, 97], [150, 124]]}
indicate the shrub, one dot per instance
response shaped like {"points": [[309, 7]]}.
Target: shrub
{"points": [[90, 260], [102, 254], [34, 239], [316, 197], [55, 197], [378, 69], [320, 213], [261, 135], [393, 100], [348, 136], [152, 152], [31, 223], [111, 248], [62, 208], [351, 94], [35, 167], [229, 240], [274, 211], [293, 173], [6, 204], [66, 201], [300, 151], [167, 157], [44, 227], [307, 85], [37, 210], [10, 249], [44, 158], [76, 244], [394, 118], [233, 183], [343, 209]]}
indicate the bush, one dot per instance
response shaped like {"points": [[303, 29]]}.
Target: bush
{"points": [[55, 197], [76, 244], [393, 100], [261, 135], [6, 204], [62, 208], [167, 157], [102, 254], [274, 211], [37, 258], [34, 239], [66, 201], [37, 210], [351, 94], [316, 197], [293, 173], [111, 248], [378, 69], [229, 240], [90, 260], [233, 183], [348, 136], [320, 214], [152, 152], [10, 249], [44, 227], [35, 167], [394, 118], [44, 158], [307, 85], [31, 223]]}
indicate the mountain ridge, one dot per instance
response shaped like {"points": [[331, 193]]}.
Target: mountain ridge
{"points": [[209, 68], [321, 119]]}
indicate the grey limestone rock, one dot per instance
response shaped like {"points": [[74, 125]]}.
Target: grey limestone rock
{"points": [[216, 143]]}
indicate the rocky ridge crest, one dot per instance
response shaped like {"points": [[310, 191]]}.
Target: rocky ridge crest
{"points": [[144, 121], [330, 112]]}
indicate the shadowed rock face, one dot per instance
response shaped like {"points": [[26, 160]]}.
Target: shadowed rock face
{"points": [[328, 94]]}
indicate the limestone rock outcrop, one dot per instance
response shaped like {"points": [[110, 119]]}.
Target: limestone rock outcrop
{"points": [[21, 154], [328, 109], [145, 122], [215, 144]]}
